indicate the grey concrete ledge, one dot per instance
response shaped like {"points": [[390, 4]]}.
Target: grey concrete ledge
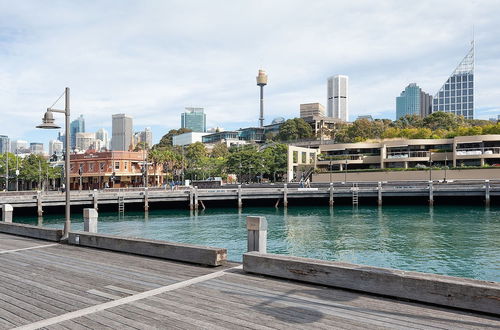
{"points": [[47, 234], [196, 254], [482, 296]]}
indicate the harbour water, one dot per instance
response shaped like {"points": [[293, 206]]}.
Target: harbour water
{"points": [[450, 240]]}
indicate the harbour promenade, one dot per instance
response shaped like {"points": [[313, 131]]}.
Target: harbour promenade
{"points": [[482, 191], [59, 286]]}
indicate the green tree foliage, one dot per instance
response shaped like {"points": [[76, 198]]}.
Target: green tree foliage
{"points": [[295, 129]]}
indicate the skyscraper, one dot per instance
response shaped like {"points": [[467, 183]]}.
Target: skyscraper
{"points": [[122, 132], [103, 135], [457, 93], [76, 126], [19, 146], [36, 148], [413, 101], [194, 119], [145, 135], [4, 144], [337, 103]]}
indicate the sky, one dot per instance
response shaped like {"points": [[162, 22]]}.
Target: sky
{"points": [[151, 59]]}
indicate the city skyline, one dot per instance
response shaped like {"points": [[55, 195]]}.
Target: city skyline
{"points": [[111, 77]]}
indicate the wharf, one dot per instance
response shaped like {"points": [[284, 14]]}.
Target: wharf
{"points": [[483, 191], [58, 286]]}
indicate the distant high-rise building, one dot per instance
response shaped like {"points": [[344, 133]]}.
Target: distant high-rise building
{"points": [[312, 109], [413, 101], [144, 136], [457, 93], [86, 141], [367, 117], [4, 144], [122, 132], [36, 148], [337, 102], [55, 147], [76, 126], [194, 119], [103, 135], [19, 146]]}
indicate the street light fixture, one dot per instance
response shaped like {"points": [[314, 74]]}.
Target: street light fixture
{"points": [[48, 123]]}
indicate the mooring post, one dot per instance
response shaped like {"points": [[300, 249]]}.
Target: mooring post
{"points": [[191, 198], [7, 211], [257, 234], [487, 193], [146, 199], [240, 201], [379, 193], [90, 220], [431, 194], [285, 195], [95, 198], [196, 198], [331, 194], [39, 203]]}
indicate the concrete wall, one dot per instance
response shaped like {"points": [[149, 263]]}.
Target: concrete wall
{"points": [[450, 291], [174, 251], [31, 231], [480, 174]]}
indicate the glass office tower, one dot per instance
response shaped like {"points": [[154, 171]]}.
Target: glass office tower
{"points": [[194, 119], [457, 94], [413, 101]]}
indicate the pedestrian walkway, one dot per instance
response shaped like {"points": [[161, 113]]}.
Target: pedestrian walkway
{"points": [[56, 286]]}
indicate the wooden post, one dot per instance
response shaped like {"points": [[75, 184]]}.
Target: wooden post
{"points": [[196, 198], [285, 195], [7, 211], [146, 199], [257, 234], [240, 201], [90, 220], [191, 206], [431, 194], [331, 194], [379, 194], [95, 198], [39, 203], [487, 193]]}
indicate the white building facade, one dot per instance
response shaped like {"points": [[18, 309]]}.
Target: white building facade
{"points": [[338, 97]]}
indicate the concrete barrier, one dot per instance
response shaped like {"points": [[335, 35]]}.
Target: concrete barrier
{"points": [[152, 248], [449, 291], [46, 234]]}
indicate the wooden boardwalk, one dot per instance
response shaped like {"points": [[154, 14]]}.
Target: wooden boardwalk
{"points": [[55, 286]]}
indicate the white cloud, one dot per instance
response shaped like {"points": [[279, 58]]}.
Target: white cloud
{"points": [[151, 59]]}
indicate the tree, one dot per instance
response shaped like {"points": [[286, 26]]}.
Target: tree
{"points": [[408, 121], [276, 160], [443, 120], [295, 129], [220, 150]]}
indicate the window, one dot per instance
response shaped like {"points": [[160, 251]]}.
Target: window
{"points": [[447, 94], [471, 84], [464, 85], [304, 158], [295, 156], [117, 165], [459, 92], [72, 167], [102, 166], [446, 107], [80, 168], [125, 165], [452, 93], [441, 94], [447, 87], [459, 106], [452, 100], [459, 78], [452, 107], [471, 98], [471, 77], [471, 92], [464, 98], [91, 167], [447, 100]]}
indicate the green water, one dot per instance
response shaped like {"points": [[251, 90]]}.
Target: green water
{"points": [[451, 240]]}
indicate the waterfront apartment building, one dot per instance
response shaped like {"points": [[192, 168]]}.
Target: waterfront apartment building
{"points": [[55, 147], [457, 93], [4, 144], [195, 119], [76, 126], [413, 101], [122, 132], [312, 109], [118, 169], [476, 150], [337, 97]]}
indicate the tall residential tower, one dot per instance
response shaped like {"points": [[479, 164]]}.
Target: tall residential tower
{"points": [[337, 102]]}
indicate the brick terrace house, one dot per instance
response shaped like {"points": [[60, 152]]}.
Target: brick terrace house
{"points": [[98, 168]]}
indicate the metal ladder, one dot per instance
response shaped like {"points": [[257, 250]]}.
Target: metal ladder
{"points": [[355, 197], [121, 204]]}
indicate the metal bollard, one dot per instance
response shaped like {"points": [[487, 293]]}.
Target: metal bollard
{"points": [[90, 220], [257, 234], [7, 211]]}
